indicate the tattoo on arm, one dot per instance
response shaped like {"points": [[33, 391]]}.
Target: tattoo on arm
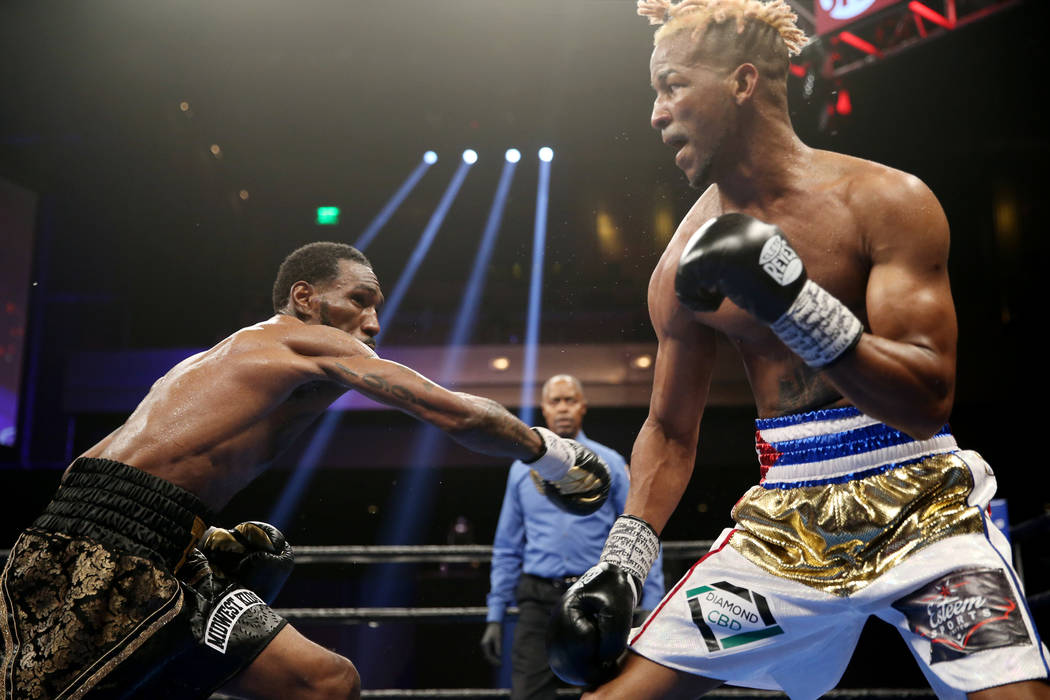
{"points": [[492, 429], [381, 386], [499, 425], [346, 369], [496, 431]]}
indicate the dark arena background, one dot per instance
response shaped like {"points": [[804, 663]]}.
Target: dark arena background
{"points": [[158, 160]]}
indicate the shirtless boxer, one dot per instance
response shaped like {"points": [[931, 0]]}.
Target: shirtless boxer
{"points": [[829, 274], [108, 595]]}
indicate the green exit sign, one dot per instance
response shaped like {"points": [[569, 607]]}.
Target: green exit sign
{"points": [[327, 216]]}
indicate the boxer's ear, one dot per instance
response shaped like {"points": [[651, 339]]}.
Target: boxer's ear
{"points": [[301, 300]]}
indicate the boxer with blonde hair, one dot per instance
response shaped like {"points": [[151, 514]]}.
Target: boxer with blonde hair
{"points": [[829, 275]]}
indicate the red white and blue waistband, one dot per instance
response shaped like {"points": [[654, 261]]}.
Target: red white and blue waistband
{"points": [[836, 445]]}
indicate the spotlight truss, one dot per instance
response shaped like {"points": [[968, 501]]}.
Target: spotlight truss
{"points": [[888, 32], [887, 28]]}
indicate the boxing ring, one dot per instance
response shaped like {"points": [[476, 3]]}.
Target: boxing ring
{"points": [[307, 557], [680, 551]]}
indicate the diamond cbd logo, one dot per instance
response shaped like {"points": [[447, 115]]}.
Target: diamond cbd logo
{"points": [[730, 616]]}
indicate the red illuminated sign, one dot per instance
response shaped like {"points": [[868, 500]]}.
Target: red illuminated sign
{"points": [[834, 14]]}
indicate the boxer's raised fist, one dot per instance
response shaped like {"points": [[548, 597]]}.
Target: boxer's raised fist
{"points": [[749, 261], [753, 264]]}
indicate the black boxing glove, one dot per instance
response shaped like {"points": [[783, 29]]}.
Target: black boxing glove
{"points": [[221, 627], [588, 629], [570, 475], [253, 554], [740, 257], [753, 264]]}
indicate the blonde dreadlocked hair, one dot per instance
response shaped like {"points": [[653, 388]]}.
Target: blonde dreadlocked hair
{"points": [[731, 32]]}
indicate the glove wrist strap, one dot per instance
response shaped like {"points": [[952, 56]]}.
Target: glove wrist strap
{"points": [[818, 327], [633, 546], [557, 458]]}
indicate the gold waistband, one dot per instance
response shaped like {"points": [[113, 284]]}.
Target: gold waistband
{"points": [[840, 537]]}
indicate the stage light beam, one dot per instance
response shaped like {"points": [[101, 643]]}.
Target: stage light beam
{"points": [[369, 234], [285, 508], [409, 510], [532, 320], [393, 301], [412, 504]]}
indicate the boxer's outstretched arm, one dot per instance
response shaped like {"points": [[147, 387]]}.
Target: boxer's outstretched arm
{"points": [[481, 424], [902, 371], [572, 476]]}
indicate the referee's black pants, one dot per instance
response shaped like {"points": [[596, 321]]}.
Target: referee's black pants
{"points": [[531, 675]]}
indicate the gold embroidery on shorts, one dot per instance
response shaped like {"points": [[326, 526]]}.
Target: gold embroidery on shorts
{"points": [[125, 648], [196, 533], [9, 632], [840, 537], [72, 602]]}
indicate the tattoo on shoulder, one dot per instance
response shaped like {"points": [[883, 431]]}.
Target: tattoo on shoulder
{"points": [[805, 390], [381, 386]]}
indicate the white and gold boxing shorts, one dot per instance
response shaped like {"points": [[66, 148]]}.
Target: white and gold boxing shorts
{"points": [[852, 518]]}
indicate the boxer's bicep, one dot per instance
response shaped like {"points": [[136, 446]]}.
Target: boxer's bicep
{"points": [[902, 371], [908, 297]]}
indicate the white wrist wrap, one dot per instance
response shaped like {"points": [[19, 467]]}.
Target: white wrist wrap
{"points": [[633, 546], [818, 327], [557, 458]]}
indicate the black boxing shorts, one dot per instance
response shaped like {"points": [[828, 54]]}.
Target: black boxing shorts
{"points": [[102, 596]]}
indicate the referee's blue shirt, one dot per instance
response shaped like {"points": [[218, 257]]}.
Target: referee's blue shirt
{"points": [[536, 537]]}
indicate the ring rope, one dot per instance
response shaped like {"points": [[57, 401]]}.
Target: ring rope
{"points": [[844, 693], [433, 553], [358, 615], [463, 553], [446, 554], [354, 616]]}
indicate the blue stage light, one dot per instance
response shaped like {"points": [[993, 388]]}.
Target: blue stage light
{"points": [[470, 156], [430, 157], [393, 300], [532, 318], [513, 155], [284, 510], [394, 202], [412, 505]]}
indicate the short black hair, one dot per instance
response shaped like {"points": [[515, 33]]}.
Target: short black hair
{"points": [[315, 263]]}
